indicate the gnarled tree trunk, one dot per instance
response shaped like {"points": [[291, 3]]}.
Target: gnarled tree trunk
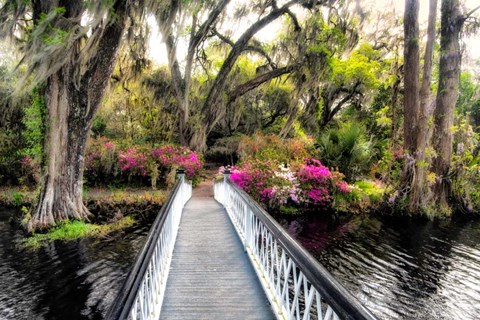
{"points": [[71, 107]]}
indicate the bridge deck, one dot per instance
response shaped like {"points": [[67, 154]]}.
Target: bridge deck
{"points": [[210, 275]]}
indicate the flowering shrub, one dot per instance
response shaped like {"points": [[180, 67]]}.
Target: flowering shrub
{"points": [[133, 161], [302, 185], [314, 182], [170, 156], [105, 162], [101, 160], [255, 178], [274, 148]]}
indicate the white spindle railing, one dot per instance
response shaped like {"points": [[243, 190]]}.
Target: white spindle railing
{"points": [[297, 286], [142, 294]]}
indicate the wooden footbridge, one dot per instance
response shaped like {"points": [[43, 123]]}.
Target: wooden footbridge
{"points": [[226, 258]]}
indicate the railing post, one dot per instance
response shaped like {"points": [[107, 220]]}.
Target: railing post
{"points": [[181, 176], [226, 175]]}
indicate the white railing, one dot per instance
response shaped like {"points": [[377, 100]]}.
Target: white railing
{"points": [[141, 296], [297, 286]]}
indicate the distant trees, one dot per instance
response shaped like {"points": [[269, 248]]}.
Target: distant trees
{"points": [[204, 23]]}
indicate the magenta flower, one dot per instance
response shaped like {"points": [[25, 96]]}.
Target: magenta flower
{"points": [[133, 161]]}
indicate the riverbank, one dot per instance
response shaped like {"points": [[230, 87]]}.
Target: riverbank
{"points": [[105, 204], [112, 210]]}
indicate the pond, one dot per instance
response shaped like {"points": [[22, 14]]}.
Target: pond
{"points": [[74, 280], [401, 268]]}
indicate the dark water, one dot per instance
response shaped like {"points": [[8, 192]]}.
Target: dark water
{"points": [[399, 268], [76, 280]]}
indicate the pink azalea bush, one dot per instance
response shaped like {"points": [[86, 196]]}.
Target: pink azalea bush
{"points": [[307, 184], [314, 181], [133, 161], [108, 163], [170, 156], [254, 177]]}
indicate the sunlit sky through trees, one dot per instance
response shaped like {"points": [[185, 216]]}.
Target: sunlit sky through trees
{"points": [[373, 7]]}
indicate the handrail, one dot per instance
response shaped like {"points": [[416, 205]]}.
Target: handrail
{"points": [[288, 273], [150, 270]]}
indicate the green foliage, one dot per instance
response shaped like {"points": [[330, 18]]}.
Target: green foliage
{"points": [[72, 230], [373, 190], [468, 103], [99, 126], [9, 159], [34, 122], [360, 67], [346, 148], [466, 164], [17, 198], [141, 110], [382, 119], [11, 127]]}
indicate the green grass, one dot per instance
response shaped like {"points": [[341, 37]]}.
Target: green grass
{"points": [[72, 230]]}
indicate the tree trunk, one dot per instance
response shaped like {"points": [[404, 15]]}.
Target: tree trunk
{"points": [[411, 101], [411, 70], [182, 83], [419, 196], [71, 107], [61, 195], [447, 95], [180, 86]]}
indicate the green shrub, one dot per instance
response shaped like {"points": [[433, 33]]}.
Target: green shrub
{"points": [[373, 190], [346, 148]]}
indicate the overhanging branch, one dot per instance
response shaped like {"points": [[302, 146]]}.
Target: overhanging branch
{"points": [[247, 48], [252, 84]]}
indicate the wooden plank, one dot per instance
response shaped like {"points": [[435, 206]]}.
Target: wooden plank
{"points": [[211, 276]]}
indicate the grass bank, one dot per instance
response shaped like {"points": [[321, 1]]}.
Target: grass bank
{"points": [[112, 210], [72, 230]]}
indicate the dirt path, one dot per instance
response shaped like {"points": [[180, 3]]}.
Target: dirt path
{"points": [[205, 188]]}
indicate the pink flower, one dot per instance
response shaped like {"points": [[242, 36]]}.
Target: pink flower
{"points": [[343, 187], [134, 161], [267, 194], [168, 156]]}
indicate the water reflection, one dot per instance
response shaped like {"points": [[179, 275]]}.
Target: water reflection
{"points": [[401, 268], [76, 280]]}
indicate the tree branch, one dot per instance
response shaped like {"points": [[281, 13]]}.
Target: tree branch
{"points": [[203, 29], [219, 83], [222, 37], [469, 14], [252, 84], [247, 48], [295, 20]]}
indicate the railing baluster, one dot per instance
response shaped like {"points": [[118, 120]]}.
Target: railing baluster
{"points": [[141, 296], [297, 286]]}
